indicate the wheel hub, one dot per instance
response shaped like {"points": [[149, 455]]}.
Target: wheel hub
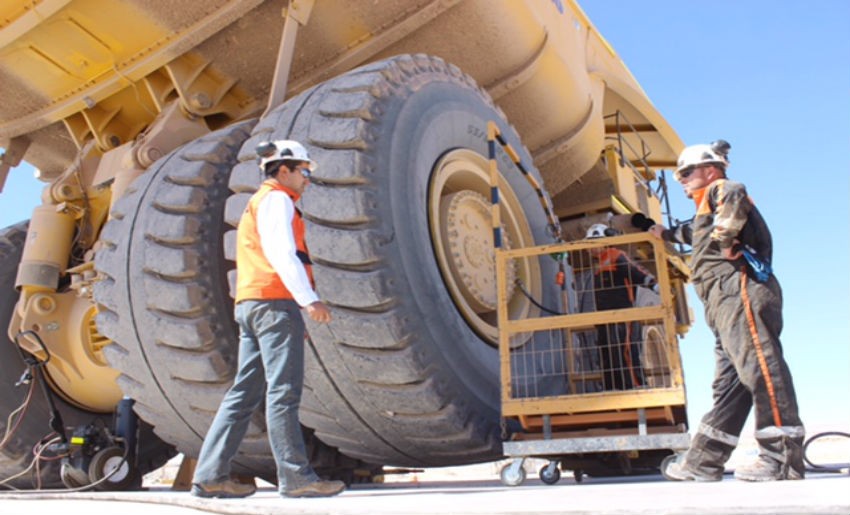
{"points": [[471, 251], [462, 233]]}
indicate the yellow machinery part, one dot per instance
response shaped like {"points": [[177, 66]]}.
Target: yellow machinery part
{"points": [[47, 249], [77, 368], [114, 55]]}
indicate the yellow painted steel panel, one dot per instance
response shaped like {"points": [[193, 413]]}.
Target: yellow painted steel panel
{"points": [[591, 402], [79, 44]]}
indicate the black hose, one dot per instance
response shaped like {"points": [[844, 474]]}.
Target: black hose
{"points": [[832, 467], [37, 366], [534, 301]]}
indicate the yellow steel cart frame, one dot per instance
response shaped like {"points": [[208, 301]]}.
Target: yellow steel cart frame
{"points": [[582, 418]]}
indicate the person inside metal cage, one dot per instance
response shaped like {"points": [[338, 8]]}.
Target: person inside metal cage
{"points": [[616, 277]]}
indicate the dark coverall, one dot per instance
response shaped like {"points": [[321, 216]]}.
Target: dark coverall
{"points": [[615, 277], [746, 318]]}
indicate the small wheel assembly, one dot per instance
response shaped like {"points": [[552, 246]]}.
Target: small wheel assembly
{"points": [[666, 462], [109, 470], [512, 474], [550, 474]]}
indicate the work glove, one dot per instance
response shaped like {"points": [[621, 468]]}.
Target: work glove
{"points": [[642, 222]]}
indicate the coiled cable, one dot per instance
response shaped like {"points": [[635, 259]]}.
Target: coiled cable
{"points": [[831, 467]]}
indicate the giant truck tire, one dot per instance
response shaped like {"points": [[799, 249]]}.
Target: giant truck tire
{"points": [[16, 454], [164, 303], [398, 228], [163, 299]]}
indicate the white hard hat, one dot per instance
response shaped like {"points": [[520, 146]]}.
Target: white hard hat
{"points": [[282, 150], [598, 231], [715, 153]]}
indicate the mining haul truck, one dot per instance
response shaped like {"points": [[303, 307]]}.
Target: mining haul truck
{"points": [[142, 117]]}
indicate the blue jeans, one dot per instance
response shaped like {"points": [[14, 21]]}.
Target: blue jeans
{"points": [[271, 352]]}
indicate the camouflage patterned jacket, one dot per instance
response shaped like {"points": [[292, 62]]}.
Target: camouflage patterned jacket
{"points": [[725, 213]]}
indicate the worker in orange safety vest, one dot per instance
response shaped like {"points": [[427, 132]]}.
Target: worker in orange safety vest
{"points": [[274, 283]]}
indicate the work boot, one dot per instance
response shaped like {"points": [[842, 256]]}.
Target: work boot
{"points": [[317, 489], [227, 489], [766, 468], [780, 455], [677, 471]]}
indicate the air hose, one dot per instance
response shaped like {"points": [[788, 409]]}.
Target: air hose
{"points": [[831, 467]]}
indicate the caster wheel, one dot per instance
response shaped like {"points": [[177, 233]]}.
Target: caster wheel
{"points": [[666, 463], [510, 477], [550, 478], [111, 464]]}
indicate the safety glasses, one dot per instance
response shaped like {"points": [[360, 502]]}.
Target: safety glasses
{"points": [[684, 174], [305, 172], [687, 172]]}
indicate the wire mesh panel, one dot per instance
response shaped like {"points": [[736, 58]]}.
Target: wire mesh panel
{"points": [[610, 357], [617, 277], [539, 366]]}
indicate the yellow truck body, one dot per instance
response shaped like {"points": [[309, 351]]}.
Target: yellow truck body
{"points": [[141, 117]]}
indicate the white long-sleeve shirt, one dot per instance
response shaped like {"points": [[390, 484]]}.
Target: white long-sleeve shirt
{"points": [[274, 224]]}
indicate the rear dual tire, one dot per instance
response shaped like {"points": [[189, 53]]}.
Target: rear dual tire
{"points": [[407, 372]]}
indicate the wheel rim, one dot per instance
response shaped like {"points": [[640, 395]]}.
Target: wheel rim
{"points": [[112, 463], [461, 231]]}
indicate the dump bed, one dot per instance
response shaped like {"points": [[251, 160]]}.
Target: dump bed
{"points": [[542, 61]]}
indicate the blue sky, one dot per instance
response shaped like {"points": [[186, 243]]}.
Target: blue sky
{"points": [[772, 78]]}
